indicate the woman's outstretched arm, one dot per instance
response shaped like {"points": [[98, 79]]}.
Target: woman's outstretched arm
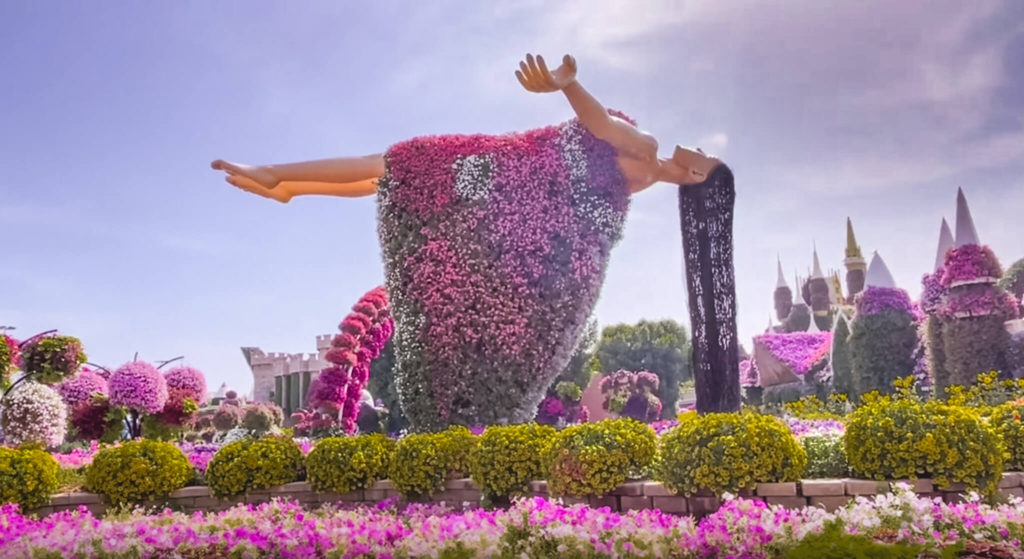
{"points": [[534, 75]]}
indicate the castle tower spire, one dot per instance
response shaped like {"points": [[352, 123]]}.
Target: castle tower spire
{"points": [[856, 266], [781, 282], [966, 234], [945, 243], [816, 273], [878, 273]]}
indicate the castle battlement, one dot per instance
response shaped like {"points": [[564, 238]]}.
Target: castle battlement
{"points": [[266, 366]]}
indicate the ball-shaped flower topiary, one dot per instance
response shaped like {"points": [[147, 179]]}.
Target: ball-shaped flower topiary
{"points": [[138, 385], [27, 477], [344, 464], [727, 452], [82, 387], [50, 359], [138, 471], [249, 465], [34, 413], [227, 417], [10, 356], [594, 458], [261, 417], [188, 381], [509, 457]]}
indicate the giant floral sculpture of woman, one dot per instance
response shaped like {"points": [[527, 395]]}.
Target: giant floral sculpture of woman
{"points": [[495, 247]]}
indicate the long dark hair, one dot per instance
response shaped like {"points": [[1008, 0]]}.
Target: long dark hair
{"points": [[706, 221]]}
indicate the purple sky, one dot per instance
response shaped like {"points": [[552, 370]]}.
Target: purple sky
{"points": [[118, 232]]}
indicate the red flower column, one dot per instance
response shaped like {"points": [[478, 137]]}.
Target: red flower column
{"points": [[706, 213]]}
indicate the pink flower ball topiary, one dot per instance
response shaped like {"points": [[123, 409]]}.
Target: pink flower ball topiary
{"points": [[82, 387], [189, 382], [138, 385]]}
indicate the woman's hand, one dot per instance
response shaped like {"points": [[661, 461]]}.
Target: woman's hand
{"points": [[535, 76]]}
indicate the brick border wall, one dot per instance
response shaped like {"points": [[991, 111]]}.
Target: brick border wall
{"points": [[463, 493]]}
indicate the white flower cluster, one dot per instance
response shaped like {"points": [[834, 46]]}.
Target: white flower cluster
{"points": [[473, 176], [585, 203], [34, 413]]}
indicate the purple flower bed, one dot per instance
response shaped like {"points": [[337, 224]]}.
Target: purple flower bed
{"points": [[800, 350], [495, 249], [970, 262], [877, 300], [815, 427]]}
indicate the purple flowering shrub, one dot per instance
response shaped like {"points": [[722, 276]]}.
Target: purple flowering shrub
{"points": [[495, 249], [562, 406], [787, 357], [364, 332], [139, 386], [969, 263], [883, 339], [632, 394]]}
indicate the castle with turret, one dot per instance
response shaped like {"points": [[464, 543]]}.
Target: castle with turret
{"points": [[285, 378]]}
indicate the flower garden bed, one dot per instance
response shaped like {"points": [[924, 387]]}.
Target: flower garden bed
{"points": [[459, 494]]}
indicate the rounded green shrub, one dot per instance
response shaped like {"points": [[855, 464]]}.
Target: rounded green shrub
{"points": [[421, 463], [509, 457], [639, 442], [1007, 421], [138, 471], [826, 457], [344, 464], [249, 465], [903, 438], [727, 452], [461, 443], [27, 477], [594, 458]]}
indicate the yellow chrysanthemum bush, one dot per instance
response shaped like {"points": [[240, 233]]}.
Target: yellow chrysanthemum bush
{"points": [[422, 462], [344, 464], [250, 465], [594, 458], [27, 476], [1007, 421], [726, 452], [898, 437], [509, 457], [138, 471]]}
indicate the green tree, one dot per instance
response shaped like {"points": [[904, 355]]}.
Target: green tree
{"points": [[661, 347], [382, 386]]}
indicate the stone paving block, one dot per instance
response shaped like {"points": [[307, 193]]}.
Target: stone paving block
{"points": [[1012, 492], [955, 486], [830, 503], [187, 492], [463, 483], [676, 504], [570, 501], [83, 499], [655, 489], [822, 487], [629, 502], [865, 487], [1010, 479], [292, 488], [378, 495], [539, 487], [257, 497], [700, 506], [784, 489], [630, 488], [787, 501], [383, 484], [953, 497], [610, 501]]}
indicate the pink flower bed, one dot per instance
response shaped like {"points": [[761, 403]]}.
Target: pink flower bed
{"points": [[531, 528], [799, 350]]}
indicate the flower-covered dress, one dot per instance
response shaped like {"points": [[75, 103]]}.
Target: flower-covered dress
{"points": [[495, 249]]}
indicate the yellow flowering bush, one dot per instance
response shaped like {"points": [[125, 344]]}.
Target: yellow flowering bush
{"points": [[726, 452], [1006, 420], [27, 476], [509, 457], [988, 391], [138, 471], [248, 465], [461, 443], [812, 407], [901, 437], [344, 464], [594, 458], [421, 464]]}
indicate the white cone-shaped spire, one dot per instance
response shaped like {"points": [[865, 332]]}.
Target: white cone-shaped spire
{"points": [[813, 327], [966, 234], [878, 273], [782, 278], [945, 243], [817, 273]]}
